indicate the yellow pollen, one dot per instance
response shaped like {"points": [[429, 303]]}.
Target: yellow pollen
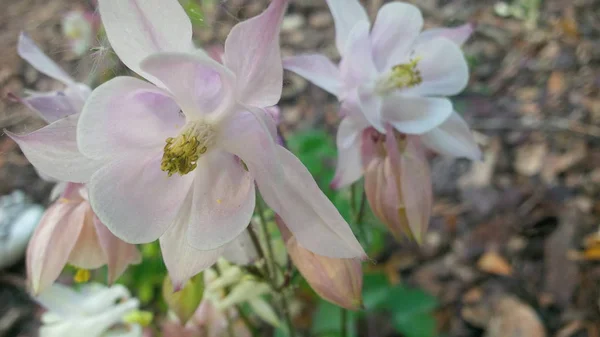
{"points": [[405, 75], [219, 201], [181, 154], [82, 275]]}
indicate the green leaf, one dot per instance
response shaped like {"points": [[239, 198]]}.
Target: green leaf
{"points": [[327, 321], [419, 325], [194, 12]]}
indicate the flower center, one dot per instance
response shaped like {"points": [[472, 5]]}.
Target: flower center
{"points": [[181, 153], [404, 75]]}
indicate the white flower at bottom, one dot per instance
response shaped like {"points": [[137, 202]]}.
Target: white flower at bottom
{"points": [[95, 311]]}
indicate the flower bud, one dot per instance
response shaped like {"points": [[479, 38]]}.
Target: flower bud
{"points": [[398, 183], [338, 281], [185, 301]]}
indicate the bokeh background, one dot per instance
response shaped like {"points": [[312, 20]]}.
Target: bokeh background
{"points": [[514, 243]]}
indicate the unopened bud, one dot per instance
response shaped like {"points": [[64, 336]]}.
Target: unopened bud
{"points": [[338, 281]]}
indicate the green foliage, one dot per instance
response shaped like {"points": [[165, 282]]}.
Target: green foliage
{"points": [[194, 11], [145, 279], [411, 309], [327, 321]]}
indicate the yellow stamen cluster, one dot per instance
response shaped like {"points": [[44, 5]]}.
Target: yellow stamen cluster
{"points": [[82, 275], [181, 153], [405, 75]]}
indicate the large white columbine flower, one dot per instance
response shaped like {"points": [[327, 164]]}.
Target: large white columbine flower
{"points": [[181, 155]]}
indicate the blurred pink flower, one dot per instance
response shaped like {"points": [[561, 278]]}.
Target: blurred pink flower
{"points": [[70, 232], [208, 321], [80, 29]]}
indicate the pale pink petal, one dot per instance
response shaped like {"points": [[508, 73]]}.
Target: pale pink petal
{"points": [[51, 106], [252, 53], [223, 201], [346, 13], [31, 53], [415, 115], [442, 66], [349, 162], [127, 115], [415, 183], [318, 69], [88, 252], [119, 253], [251, 134], [53, 151], [52, 243], [135, 199], [310, 216], [200, 84], [371, 105], [452, 138], [241, 250], [458, 35], [357, 66], [139, 28], [395, 30], [182, 260]]}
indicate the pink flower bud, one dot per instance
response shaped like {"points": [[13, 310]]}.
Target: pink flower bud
{"points": [[70, 232], [398, 182], [338, 281]]}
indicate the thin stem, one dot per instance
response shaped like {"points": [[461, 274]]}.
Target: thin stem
{"points": [[259, 250], [263, 223], [344, 322], [286, 314], [358, 215]]}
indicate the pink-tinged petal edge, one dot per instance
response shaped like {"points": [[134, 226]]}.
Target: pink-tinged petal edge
{"points": [[53, 151], [119, 253], [349, 161], [52, 243], [252, 53], [458, 35], [345, 15], [317, 69], [137, 29], [453, 138]]}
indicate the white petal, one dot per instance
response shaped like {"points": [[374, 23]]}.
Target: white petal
{"points": [[139, 28], [199, 84], [223, 201], [318, 69], [458, 35], [51, 106], [453, 138], [310, 216], [126, 115], [32, 54], [443, 68], [371, 105], [135, 199], [346, 13], [357, 66], [182, 260], [349, 162], [53, 151], [415, 115], [241, 250], [252, 53], [395, 30]]}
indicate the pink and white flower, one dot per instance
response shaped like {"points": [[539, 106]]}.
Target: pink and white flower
{"points": [[392, 81], [181, 155], [70, 232]]}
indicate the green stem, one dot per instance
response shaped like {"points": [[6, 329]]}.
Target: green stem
{"points": [[344, 322], [358, 215], [271, 272], [265, 229]]}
